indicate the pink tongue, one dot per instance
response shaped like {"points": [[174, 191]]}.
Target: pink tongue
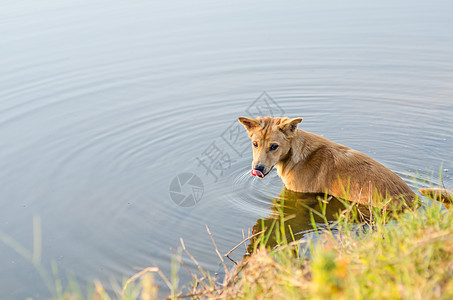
{"points": [[257, 173]]}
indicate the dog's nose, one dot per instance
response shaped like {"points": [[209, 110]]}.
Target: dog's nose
{"points": [[259, 168]]}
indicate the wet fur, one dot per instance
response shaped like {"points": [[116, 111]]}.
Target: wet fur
{"points": [[309, 163]]}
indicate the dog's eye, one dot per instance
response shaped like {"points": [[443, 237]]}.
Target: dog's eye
{"points": [[273, 147], [255, 144]]}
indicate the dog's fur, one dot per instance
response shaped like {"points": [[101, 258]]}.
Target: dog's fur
{"points": [[309, 163]]}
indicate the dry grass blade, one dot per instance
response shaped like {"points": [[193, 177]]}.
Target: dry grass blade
{"points": [[100, 293]]}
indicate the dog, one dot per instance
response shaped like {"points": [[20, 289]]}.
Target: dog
{"points": [[308, 163]]}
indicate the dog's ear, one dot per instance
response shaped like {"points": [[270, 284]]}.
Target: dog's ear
{"points": [[249, 123], [289, 126]]}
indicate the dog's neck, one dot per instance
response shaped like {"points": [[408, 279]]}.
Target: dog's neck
{"points": [[297, 153]]}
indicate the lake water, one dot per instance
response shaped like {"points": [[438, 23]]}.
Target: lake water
{"points": [[118, 122]]}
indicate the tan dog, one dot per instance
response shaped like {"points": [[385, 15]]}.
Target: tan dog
{"points": [[309, 163]]}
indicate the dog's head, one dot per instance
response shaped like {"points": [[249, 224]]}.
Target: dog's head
{"points": [[271, 141]]}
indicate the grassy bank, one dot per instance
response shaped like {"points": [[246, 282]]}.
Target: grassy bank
{"points": [[408, 256], [363, 255]]}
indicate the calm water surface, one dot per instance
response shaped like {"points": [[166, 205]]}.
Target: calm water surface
{"points": [[104, 104]]}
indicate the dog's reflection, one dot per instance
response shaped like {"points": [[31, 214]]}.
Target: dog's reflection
{"points": [[298, 212]]}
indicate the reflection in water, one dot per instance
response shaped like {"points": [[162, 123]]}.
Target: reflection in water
{"points": [[300, 212]]}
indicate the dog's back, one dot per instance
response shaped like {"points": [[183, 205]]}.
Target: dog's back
{"points": [[342, 172]]}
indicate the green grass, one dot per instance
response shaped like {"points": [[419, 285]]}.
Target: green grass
{"points": [[412, 259], [394, 256]]}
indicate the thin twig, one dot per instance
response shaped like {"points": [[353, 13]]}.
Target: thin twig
{"points": [[167, 282], [217, 251], [178, 257], [243, 237], [195, 261], [232, 260], [245, 240]]}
